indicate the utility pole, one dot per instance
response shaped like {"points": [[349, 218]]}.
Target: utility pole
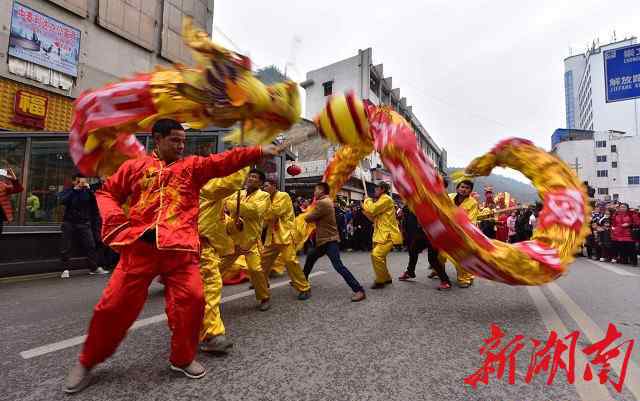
{"points": [[576, 166]]}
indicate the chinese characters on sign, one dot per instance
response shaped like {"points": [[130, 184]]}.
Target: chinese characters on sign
{"points": [[42, 40], [622, 73], [30, 109], [556, 355]]}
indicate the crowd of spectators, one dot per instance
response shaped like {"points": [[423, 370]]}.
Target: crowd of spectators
{"points": [[522, 222], [615, 234], [356, 230], [354, 227]]}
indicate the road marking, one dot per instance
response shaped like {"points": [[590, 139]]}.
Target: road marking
{"points": [[612, 268], [27, 277], [594, 334], [588, 391], [72, 342]]}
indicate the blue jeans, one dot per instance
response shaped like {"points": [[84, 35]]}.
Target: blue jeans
{"points": [[332, 250]]}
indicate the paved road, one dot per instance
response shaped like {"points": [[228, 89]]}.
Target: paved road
{"points": [[405, 342]]}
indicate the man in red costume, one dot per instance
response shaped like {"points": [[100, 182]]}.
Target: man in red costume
{"points": [[158, 236]]}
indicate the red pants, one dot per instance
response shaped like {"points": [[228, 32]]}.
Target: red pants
{"points": [[126, 293]]}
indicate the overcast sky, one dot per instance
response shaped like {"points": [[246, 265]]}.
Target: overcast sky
{"points": [[474, 71]]}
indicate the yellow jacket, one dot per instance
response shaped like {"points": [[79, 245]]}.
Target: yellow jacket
{"points": [[280, 220], [252, 210], [382, 213], [212, 220], [470, 205]]}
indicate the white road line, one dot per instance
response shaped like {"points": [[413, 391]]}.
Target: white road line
{"points": [[588, 391], [612, 268], [72, 342], [594, 334]]}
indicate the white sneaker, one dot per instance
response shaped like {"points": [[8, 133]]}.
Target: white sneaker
{"points": [[602, 259], [99, 270], [614, 261], [77, 380], [193, 371], [65, 274]]}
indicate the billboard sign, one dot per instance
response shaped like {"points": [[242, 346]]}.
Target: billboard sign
{"points": [[42, 40], [622, 73]]}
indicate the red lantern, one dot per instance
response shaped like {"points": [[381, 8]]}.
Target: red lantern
{"points": [[294, 170]]}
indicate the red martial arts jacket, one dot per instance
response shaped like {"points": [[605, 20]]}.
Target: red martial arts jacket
{"points": [[163, 196]]}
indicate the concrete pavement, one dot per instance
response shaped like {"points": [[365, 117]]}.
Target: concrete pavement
{"points": [[405, 342]]}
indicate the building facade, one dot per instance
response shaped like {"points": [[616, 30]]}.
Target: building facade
{"points": [[367, 80], [607, 160], [602, 139], [50, 52], [585, 94]]}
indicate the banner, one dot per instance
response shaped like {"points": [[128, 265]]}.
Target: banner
{"points": [[42, 40], [622, 73]]}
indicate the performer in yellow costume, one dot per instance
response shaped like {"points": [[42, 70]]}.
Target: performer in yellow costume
{"points": [[236, 274], [462, 198], [245, 227], [279, 241], [278, 268], [214, 241], [386, 232]]}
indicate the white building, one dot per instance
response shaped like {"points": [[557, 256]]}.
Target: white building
{"points": [[609, 161], [602, 140], [585, 97], [359, 74]]}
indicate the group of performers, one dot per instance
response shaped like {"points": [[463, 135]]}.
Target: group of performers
{"points": [[189, 219]]}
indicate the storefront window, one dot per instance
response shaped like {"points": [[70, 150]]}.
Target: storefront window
{"points": [[12, 155], [201, 145], [196, 144], [143, 140], [50, 171]]}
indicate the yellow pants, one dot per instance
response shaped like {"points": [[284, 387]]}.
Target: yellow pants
{"points": [[234, 270], [288, 254], [212, 324], [464, 277], [256, 274], [379, 261], [278, 267]]}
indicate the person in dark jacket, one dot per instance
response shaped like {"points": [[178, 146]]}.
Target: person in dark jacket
{"points": [[523, 226], [363, 231], [603, 239], [80, 216], [417, 241], [106, 257]]}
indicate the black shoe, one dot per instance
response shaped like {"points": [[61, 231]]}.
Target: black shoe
{"points": [[377, 286], [303, 296]]}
